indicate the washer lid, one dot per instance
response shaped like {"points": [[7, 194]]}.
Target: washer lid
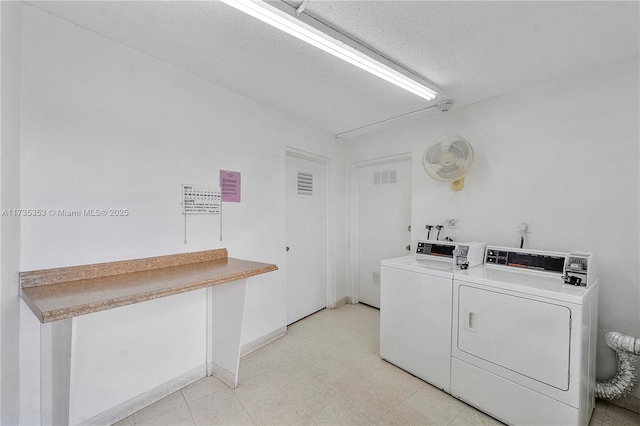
{"points": [[421, 264]]}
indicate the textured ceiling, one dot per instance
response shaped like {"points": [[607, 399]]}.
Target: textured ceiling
{"points": [[471, 50]]}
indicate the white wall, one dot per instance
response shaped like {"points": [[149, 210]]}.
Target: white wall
{"points": [[9, 199], [563, 154], [104, 126]]}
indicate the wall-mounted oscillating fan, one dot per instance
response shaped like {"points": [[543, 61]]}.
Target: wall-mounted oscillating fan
{"points": [[448, 159]]}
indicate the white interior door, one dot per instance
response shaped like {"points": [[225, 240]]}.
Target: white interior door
{"points": [[384, 216], [306, 237]]}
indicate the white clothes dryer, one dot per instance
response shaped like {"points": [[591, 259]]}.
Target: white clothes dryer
{"points": [[524, 336]]}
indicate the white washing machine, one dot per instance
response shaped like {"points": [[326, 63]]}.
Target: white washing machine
{"points": [[524, 341], [416, 307]]}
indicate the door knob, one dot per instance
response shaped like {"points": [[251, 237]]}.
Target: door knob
{"points": [[409, 228], [408, 247], [287, 248]]}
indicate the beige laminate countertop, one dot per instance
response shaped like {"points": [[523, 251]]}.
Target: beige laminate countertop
{"points": [[56, 294]]}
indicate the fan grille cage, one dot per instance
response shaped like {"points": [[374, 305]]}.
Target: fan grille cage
{"points": [[448, 158]]}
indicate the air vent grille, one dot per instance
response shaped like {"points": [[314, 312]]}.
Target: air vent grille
{"points": [[305, 183], [385, 177]]}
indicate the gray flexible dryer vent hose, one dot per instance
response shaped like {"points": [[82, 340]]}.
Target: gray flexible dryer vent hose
{"points": [[627, 349]]}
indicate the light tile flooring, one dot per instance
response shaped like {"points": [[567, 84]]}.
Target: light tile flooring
{"points": [[326, 371]]}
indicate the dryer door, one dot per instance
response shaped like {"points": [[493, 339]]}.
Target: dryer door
{"points": [[523, 335]]}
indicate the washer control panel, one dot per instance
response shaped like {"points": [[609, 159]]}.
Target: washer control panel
{"points": [[467, 255], [436, 248], [463, 255]]}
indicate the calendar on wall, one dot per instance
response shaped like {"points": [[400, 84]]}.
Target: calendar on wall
{"points": [[201, 199]]}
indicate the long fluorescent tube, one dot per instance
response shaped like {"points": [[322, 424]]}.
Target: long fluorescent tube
{"points": [[289, 24]]}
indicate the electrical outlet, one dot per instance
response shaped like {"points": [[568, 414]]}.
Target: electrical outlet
{"points": [[524, 223], [453, 222]]}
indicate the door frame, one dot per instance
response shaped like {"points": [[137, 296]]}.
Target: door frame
{"points": [[354, 214], [330, 221]]}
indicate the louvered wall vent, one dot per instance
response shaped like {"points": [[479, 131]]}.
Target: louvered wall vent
{"points": [[385, 177], [392, 176], [305, 183]]}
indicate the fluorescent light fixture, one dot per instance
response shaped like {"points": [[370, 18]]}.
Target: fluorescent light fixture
{"points": [[296, 27]]}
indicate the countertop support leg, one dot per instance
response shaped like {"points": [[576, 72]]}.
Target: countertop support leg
{"points": [[57, 343], [225, 314]]}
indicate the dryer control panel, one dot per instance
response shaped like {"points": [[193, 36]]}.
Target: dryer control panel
{"points": [[537, 261], [574, 268], [579, 269]]}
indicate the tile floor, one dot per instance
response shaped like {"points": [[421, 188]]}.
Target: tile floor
{"points": [[326, 371]]}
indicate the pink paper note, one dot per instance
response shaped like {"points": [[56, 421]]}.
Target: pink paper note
{"points": [[230, 186]]}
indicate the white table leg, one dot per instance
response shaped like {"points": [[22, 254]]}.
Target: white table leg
{"points": [[57, 349], [225, 311]]}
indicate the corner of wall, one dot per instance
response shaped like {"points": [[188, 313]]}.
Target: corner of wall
{"points": [[10, 79]]}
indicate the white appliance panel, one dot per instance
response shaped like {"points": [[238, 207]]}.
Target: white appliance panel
{"points": [[509, 402], [415, 322], [529, 282], [526, 336]]}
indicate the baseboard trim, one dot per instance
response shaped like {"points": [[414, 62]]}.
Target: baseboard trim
{"points": [[222, 374], [342, 302], [262, 341], [119, 412]]}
